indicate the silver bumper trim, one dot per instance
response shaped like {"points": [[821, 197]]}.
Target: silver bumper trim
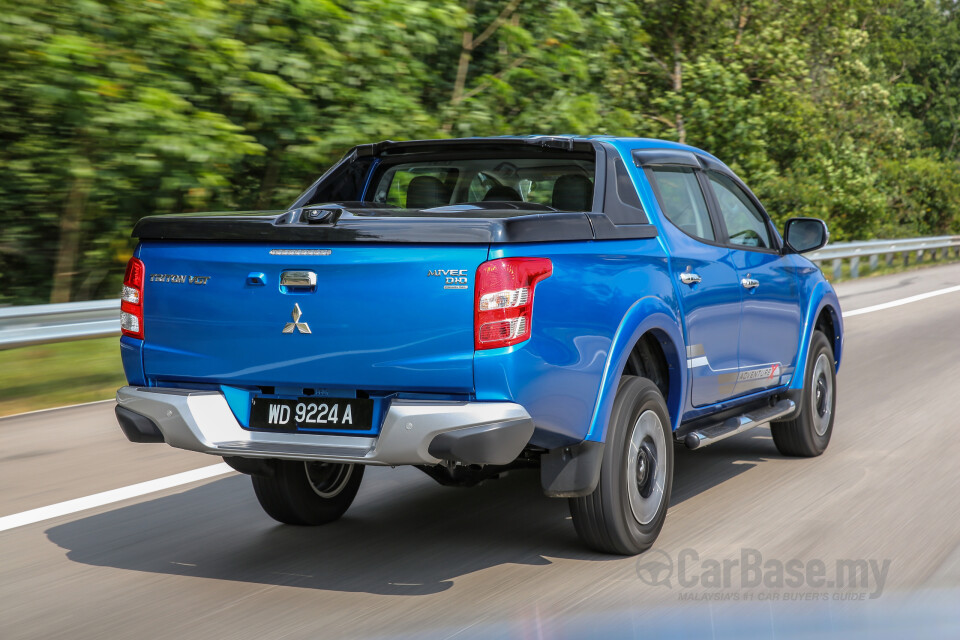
{"points": [[200, 420]]}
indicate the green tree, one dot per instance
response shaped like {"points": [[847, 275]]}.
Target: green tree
{"points": [[115, 109]]}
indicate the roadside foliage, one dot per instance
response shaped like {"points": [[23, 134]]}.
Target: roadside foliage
{"points": [[113, 110]]}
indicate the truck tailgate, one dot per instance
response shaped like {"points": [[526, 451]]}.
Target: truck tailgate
{"points": [[379, 317]]}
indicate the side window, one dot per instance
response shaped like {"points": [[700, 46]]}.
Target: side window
{"points": [[746, 226], [682, 201]]}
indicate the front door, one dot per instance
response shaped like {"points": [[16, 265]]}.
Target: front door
{"points": [[770, 320]]}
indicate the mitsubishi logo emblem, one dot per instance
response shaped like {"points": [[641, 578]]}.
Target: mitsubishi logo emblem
{"points": [[296, 325]]}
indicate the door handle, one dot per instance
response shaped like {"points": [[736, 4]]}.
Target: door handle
{"points": [[689, 278], [750, 283]]}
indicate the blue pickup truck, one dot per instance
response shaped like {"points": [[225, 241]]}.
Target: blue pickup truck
{"points": [[578, 304]]}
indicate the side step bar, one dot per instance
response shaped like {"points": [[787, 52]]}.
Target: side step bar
{"points": [[737, 424]]}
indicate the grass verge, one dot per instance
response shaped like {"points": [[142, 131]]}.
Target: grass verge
{"points": [[55, 375]]}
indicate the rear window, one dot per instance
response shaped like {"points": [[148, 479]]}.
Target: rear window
{"points": [[561, 184], [682, 201]]}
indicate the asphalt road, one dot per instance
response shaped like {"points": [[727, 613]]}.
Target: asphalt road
{"points": [[416, 559]]}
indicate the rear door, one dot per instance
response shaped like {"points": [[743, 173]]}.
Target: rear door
{"points": [[707, 281], [374, 317], [771, 320]]}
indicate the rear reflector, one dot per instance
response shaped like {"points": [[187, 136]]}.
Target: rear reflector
{"points": [[504, 300], [129, 323], [502, 330]]}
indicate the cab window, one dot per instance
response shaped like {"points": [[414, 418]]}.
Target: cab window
{"points": [[746, 225], [561, 183], [682, 201], [407, 187]]}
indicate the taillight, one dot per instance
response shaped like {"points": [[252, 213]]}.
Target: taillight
{"points": [[504, 300], [131, 300]]}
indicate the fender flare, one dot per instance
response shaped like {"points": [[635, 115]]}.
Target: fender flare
{"points": [[646, 314], [822, 297]]}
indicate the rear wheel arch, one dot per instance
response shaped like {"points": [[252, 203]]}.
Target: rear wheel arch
{"points": [[651, 314], [656, 357]]}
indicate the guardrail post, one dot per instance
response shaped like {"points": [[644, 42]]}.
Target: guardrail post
{"points": [[906, 258], [919, 256], [889, 259], [855, 266], [837, 268], [873, 262]]}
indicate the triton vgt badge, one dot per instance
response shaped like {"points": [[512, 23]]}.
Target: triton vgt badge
{"points": [[178, 279], [296, 325]]}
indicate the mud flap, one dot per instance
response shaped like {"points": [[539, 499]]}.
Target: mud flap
{"points": [[571, 472]]}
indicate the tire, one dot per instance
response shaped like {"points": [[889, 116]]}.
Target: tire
{"points": [[308, 493], [808, 433], [625, 513]]}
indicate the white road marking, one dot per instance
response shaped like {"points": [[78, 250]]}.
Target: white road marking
{"points": [[902, 301], [109, 497]]}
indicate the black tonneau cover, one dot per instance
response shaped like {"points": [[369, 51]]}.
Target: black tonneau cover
{"points": [[340, 224]]}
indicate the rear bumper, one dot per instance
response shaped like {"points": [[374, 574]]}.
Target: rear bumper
{"points": [[413, 432]]}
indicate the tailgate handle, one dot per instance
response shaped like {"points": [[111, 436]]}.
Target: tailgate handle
{"points": [[298, 279]]}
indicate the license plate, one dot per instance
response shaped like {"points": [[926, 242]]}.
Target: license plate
{"points": [[311, 413]]}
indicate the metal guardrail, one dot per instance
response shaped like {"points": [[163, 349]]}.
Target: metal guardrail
{"points": [[46, 323], [935, 247]]}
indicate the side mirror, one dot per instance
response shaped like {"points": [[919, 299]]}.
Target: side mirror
{"points": [[805, 234]]}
